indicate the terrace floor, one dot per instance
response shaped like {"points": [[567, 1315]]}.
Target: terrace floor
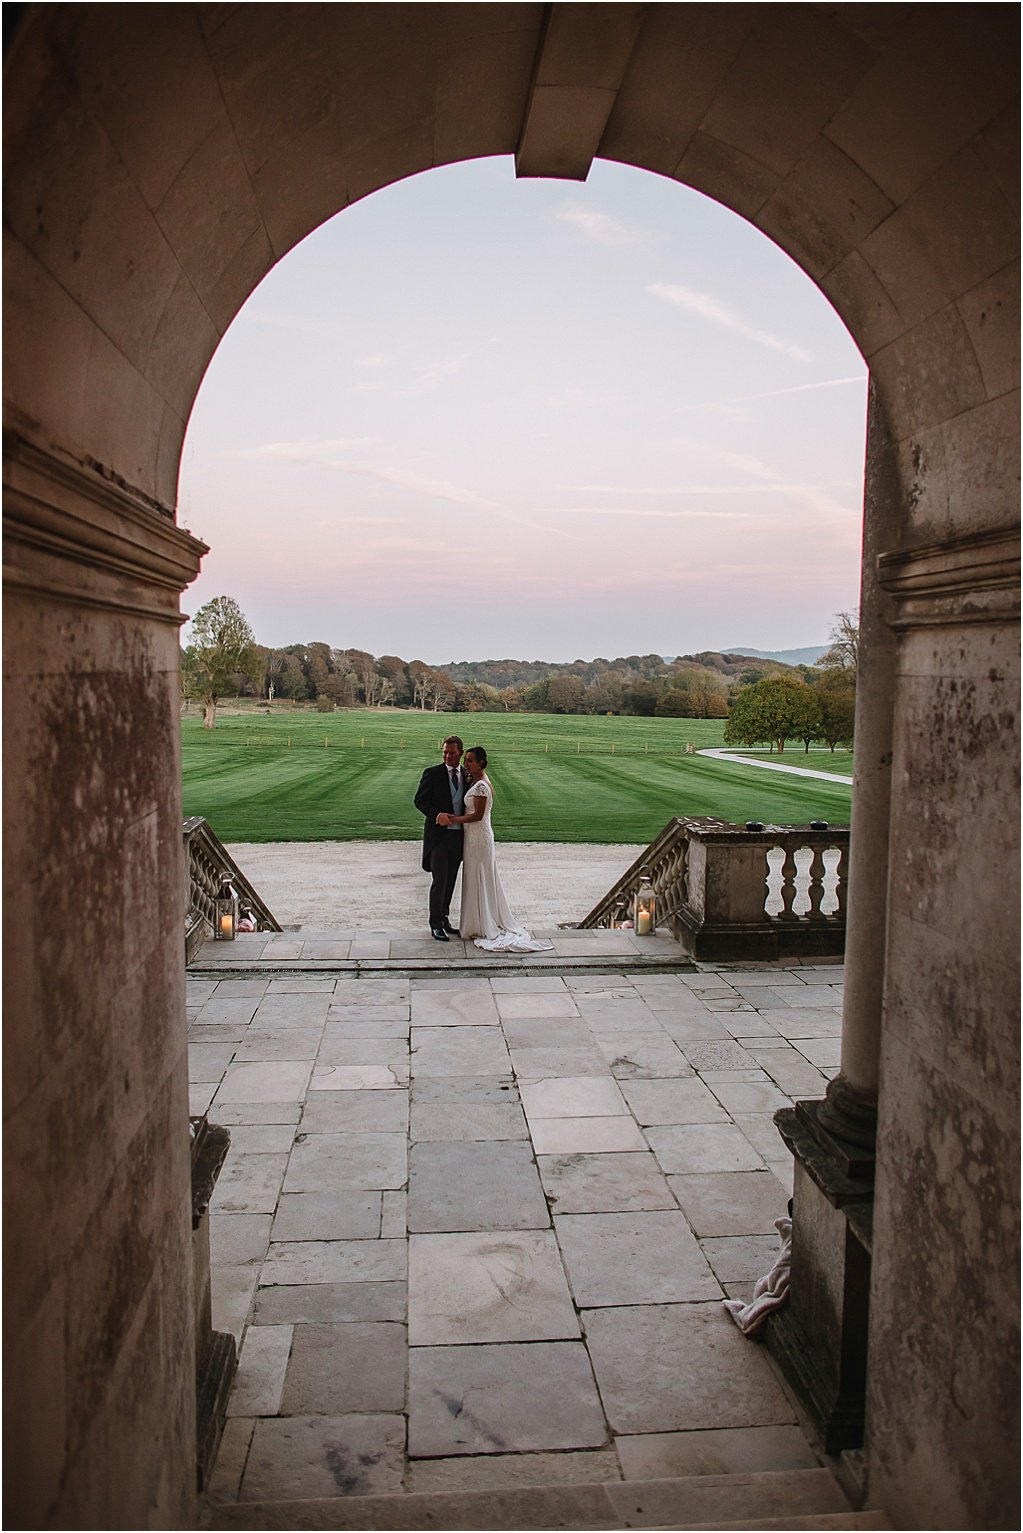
{"points": [[478, 1216]]}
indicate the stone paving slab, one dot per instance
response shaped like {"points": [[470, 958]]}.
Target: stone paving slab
{"points": [[582, 1164], [505, 1285], [489, 1399], [477, 1185]]}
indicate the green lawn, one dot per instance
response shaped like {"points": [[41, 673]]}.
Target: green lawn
{"points": [[818, 759], [555, 778]]}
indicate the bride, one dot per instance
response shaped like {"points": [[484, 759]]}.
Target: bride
{"points": [[485, 914]]}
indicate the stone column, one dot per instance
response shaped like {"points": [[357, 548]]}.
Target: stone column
{"points": [[820, 1339], [850, 1106], [100, 1426]]}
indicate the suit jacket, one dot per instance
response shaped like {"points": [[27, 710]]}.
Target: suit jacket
{"points": [[433, 797]]}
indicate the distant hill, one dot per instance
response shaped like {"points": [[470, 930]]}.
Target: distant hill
{"points": [[808, 656]]}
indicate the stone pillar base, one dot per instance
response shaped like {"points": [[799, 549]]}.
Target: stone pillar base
{"points": [[820, 1338], [215, 1357]]}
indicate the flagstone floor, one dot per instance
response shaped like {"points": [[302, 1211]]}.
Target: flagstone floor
{"points": [[474, 1228]]}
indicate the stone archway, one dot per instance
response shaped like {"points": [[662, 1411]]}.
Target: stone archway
{"points": [[161, 159]]}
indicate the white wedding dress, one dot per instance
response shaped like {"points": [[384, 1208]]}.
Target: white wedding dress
{"points": [[485, 914]]}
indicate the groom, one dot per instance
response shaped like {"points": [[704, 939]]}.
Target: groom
{"points": [[442, 791]]}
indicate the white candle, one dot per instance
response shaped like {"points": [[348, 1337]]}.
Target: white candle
{"points": [[643, 923]]}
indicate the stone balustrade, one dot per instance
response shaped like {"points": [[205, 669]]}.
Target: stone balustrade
{"points": [[730, 893], [208, 866]]}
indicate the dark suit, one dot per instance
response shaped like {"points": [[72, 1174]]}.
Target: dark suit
{"points": [[442, 846]]}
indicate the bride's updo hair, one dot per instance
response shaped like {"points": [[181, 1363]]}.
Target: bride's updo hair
{"points": [[480, 754]]}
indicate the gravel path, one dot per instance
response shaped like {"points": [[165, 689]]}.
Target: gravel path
{"points": [[380, 884]]}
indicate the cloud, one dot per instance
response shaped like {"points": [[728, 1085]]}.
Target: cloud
{"points": [[727, 406], [726, 318], [326, 453], [747, 464], [439, 489], [645, 511], [430, 377], [600, 227], [307, 452]]}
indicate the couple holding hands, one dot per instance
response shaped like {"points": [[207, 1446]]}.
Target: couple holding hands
{"points": [[456, 799]]}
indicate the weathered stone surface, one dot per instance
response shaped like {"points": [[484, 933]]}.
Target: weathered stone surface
{"points": [[690, 1148], [462, 1051], [327, 1216], [261, 1366], [482, 1185], [735, 1450], [311, 1457], [470, 1400], [508, 1285], [685, 1100], [334, 1261], [329, 1303], [609, 1183], [730, 1202], [337, 1369], [325, 1162], [572, 1097], [633, 1258], [666, 1367]]}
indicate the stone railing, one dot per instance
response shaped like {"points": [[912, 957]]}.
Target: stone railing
{"points": [[208, 865], [730, 893]]}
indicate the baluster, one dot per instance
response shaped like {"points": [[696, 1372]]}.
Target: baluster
{"points": [[816, 890], [788, 886], [841, 887]]}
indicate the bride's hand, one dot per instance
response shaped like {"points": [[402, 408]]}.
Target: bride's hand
{"points": [[443, 819]]}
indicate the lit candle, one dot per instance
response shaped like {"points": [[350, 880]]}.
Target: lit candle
{"points": [[226, 924], [643, 921]]}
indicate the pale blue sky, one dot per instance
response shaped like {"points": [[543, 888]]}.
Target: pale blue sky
{"points": [[477, 417]]}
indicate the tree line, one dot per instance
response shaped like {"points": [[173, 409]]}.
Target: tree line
{"points": [[223, 659]]}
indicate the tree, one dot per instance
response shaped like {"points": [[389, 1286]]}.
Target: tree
{"points": [[836, 693], [775, 709], [220, 650], [394, 669], [273, 666], [641, 698], [674, 704], [319, 667], [565, 694], [844, 653]]}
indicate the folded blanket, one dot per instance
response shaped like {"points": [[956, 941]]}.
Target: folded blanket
{"points": [[770, 1292]]}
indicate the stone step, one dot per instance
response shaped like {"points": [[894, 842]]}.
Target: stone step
{"points": [[802, 1498], [825, 1520]]}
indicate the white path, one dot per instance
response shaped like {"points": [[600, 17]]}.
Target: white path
{"points": [[773, 766]]}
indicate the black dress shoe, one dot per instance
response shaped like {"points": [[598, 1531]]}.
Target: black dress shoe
{"points": [[439, 933], [451, 930]]}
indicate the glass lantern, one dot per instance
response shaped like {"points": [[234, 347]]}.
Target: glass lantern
{"points": [[644, 916], [225, 920]]}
